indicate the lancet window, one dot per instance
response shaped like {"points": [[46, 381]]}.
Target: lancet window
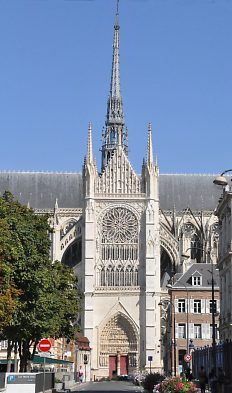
{"points": [[119, 249]]}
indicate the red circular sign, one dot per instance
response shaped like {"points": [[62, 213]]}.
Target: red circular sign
{"points": [[187, 357], [44, 345]]}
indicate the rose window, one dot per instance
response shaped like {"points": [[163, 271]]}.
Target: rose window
{"points": [[119, 225], [118, 266]]}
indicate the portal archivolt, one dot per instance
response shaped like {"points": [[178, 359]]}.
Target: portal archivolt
{"points": [[119, 337]]}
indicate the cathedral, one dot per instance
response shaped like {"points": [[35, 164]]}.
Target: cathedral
{"points": [[125, 235]]}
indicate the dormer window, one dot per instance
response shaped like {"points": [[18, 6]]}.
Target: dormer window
{"points": [[196, 281]]}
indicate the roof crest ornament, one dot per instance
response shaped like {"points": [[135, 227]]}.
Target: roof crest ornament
{"points": [[149, 146], [89, 155]]}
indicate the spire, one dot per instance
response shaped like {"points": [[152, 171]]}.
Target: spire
{"points": [[114, 109], [114, 133], [89, 156], [149, 147]]}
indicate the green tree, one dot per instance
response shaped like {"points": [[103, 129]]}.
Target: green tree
{"points": [[45, 303]]}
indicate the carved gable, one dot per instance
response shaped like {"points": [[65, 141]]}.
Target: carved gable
{"points": [[118, 177]]}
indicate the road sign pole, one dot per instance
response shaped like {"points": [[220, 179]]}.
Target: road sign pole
{"points": [[44, 377], [44, 346]]}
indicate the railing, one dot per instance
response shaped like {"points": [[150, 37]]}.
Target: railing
{"points": [[223, 355]]}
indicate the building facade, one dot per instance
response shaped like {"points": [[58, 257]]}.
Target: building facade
{"points": [[124, 235], [225, 262], [190, 317]]}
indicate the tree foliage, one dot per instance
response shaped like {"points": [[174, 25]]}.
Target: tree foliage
{"points": [[41, 298]]}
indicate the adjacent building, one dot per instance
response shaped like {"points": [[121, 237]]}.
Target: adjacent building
{"points": [[225, 262], [189, 316]]}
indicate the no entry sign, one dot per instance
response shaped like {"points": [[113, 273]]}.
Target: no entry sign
{"points": [[187, 357], [44, 345]]}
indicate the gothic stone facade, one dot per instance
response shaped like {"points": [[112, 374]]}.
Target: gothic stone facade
{"points": [[123, 234]]}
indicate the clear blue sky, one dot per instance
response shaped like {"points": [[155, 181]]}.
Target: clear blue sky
{"points": [[176, 72]]}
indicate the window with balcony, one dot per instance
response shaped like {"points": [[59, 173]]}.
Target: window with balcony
{"points": [[197, 331], [181, 305], [197, 306]]}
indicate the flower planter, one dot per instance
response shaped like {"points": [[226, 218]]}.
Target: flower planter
{"points": [[58, 385]]}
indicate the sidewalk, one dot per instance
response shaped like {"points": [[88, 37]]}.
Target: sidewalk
{"points": [[76, 386]]}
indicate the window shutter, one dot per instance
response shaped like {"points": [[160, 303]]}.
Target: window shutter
{"points": [[176, 305], [207, 306], [207, 328], [203, 306], [191, 303], [191, 330], [177, 330], [203, 330]]}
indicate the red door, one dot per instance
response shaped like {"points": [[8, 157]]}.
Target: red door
{"points": [[123, 365], [112, 366]]}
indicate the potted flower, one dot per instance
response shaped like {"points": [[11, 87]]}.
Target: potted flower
{"points": [[58, 384], [150, 380], [176, 385]]}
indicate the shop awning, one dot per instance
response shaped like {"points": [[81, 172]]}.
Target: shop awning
{"points": [[41, 359]]}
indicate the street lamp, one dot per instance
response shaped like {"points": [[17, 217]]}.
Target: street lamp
{"points": [[221, 179], [213, 322], [173, 315]]}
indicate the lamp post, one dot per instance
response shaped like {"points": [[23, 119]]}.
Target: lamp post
{"points": [[213, 322], [221, 179], [173, 342], [187, 320]]}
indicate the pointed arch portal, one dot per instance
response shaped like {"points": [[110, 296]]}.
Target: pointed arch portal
{"points": [[119, 345]]}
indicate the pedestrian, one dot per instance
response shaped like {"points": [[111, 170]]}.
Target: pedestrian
{"points": [[81, 374], [213, 380], [188, 374], [221, 380], [203, 379]]}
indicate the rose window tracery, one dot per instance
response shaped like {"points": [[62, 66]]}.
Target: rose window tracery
{"points": [[118, 265], [119, 225]]}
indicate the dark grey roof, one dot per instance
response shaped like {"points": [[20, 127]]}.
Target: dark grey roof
{"points": [[203, 269], [186, 190], [41, 189]]}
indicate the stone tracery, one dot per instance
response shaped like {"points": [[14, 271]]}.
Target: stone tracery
{"points": [[118, 249]]}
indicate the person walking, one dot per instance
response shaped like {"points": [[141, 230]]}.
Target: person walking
{"points": [[221, 380], [203, 379], [213, 381], [81, 374]]}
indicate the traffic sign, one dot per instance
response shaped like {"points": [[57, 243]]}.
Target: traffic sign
{"points": [[44, 345], [187, 357]]}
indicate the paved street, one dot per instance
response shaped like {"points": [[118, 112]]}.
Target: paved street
{"points": [[112, 386]]}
